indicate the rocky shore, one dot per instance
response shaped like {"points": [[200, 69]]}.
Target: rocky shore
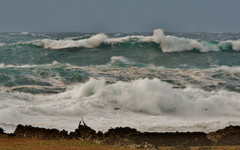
{"points": [[131, 138]]}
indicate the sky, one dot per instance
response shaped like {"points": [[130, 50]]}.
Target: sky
{"points": [[119, 15]]}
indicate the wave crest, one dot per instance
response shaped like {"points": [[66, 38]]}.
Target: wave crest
{"points": [[152, 96], [91, 42], [235, 44], [167, 43]]}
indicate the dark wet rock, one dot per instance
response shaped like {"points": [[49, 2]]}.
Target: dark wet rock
{"points": [[40, 133], [120, 136], [1, 131], [131, 138], [227, 136], [121, 131], [84, 132]]}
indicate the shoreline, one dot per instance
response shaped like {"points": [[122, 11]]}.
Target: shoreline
{"points": [[127, 137]]}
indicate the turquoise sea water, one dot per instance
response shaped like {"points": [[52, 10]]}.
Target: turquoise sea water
{"points": [[152, 81]]}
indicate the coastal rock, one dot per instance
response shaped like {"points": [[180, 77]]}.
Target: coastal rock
{"points": [[121, 131], [40, 133], [227, 136], [84, 132], [131, 138], [120, 136], [1, 131]]}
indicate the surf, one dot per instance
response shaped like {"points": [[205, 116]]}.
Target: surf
{"points": [[166, 43]]}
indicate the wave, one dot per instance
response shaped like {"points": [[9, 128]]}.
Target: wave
{"points": [[2, 65], [24, 33], [91, 42], [142, 101], [166, 43], [2, 44], [152, 96], [234, 44], [121, 61]]}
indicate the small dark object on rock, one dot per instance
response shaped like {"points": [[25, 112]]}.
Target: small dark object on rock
{"points": [[83, 122]]}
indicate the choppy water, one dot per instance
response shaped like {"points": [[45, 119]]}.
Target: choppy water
{"points": [[151, 81]]}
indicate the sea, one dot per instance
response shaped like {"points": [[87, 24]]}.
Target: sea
{"points": [[152, 81]]}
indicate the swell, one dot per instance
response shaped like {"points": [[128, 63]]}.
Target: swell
{"points": [[165, 43]]}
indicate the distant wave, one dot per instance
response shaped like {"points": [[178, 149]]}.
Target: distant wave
{"points": [[2, 44], [2, 65], [24, 33], [91, 42], [166, 43]]}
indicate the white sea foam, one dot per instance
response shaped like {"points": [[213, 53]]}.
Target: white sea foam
{"points": [[157, 97], [169, 43], [173, 44], [24, 33], [149, 105], [92, 42], [116, 60], [2, 65]]}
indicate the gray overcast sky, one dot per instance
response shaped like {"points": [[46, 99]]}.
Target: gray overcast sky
{"points": [[119, 15]]}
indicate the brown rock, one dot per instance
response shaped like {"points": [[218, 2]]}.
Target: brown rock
{"points": [[227, 136], [40, 133]]}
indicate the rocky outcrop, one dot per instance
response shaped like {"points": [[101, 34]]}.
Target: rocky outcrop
{"points": [[120, 136], [1, 131], [84, 132], [131, 138], [227, 136], [40, 133]]}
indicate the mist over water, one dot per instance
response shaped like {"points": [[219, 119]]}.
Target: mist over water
{"points": [[151, 81]]}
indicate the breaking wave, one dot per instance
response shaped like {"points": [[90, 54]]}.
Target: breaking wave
{"points": [[158, 40], [152, 96], [105, 105], [91, 42], [166, 43]]}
